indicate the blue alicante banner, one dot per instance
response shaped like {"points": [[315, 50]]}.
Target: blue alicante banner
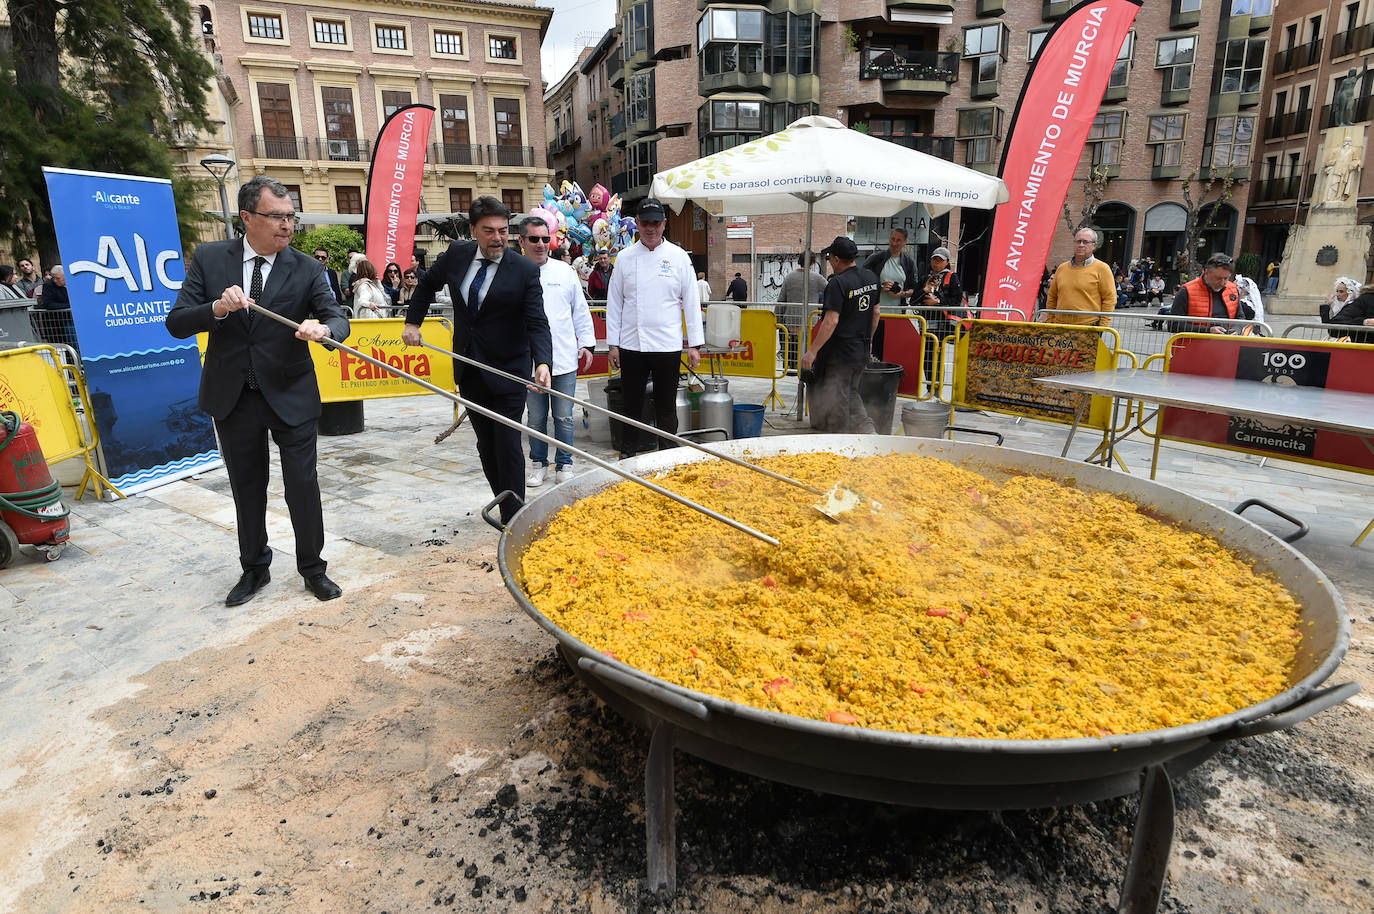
{"points": [[122, 253]]}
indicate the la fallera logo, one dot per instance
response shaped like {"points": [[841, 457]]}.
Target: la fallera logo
{"points": [[352, 368]]}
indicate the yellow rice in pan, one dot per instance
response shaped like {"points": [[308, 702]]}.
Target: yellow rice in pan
{"points": [[1017, 608]]}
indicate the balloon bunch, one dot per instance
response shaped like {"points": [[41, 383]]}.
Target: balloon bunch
{"points": [[585, 223]]}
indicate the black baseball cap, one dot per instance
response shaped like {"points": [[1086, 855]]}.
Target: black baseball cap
{"points": [[651, 210], [842, 247]]}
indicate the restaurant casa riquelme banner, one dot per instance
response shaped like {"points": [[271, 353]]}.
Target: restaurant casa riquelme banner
{"points": [[1058, 104], [121, 250]]}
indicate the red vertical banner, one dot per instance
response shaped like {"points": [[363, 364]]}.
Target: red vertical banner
{"points": [[1040, 154], [393, 187]]}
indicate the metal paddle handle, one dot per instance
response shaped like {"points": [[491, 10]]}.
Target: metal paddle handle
{"points": [[511, 423], [643, 426]]}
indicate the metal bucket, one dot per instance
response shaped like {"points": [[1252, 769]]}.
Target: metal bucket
{"points": [[925, 420]]}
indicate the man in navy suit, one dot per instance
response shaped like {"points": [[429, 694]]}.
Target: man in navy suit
{"points": [[323, 257], [499, 320], [258, 376]]}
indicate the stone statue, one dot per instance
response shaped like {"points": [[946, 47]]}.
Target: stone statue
{"points": [[1342, 173], [1343, 102]]}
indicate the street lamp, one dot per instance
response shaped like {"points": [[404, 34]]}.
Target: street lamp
{"points": [[220, 166]]}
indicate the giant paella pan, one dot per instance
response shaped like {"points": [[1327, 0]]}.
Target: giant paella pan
{"points": [[942, 771]]}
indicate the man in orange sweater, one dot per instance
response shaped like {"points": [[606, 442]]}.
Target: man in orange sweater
{"points": [[1082, 284]]}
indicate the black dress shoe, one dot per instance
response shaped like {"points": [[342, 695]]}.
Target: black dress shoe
{"points": [[252, 580], [323, 588]]}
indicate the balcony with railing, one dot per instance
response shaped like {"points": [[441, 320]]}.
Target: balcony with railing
{"points": [[1290, 124], [925, 72], [510, 156], [1353, 41], [345, 150], [281, 147], [1361, 111], [1276, 189], [1297, 57], [941, 147], [455, 154]]}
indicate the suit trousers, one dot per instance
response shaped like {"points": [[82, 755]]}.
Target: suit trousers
{"points": [[498, 446], [635, 370], [243, 443]]}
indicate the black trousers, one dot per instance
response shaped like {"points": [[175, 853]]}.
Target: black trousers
{"points": [[498, 446], [635, 370], [243, 443]]}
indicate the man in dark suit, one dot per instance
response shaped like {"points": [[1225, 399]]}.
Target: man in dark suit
{"points": [[323, 257], [499, 320], [258, 375]]}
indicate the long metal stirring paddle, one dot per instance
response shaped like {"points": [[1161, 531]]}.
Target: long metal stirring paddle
{"points": [[833, 503], [511, 423]]}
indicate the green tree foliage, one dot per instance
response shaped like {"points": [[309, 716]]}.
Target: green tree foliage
{"points": [[1250, 265], [338, 240], [100, 85]]}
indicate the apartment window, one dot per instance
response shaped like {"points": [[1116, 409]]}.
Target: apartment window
{"points": [[1189, 6], [1252, 7], [1243, 65], [278, 123], [1166, 136], [1175, 57], [265, 25], [514, 199], [294, 192], [391, 37], [502, 47], [394, 100], [801, 58], [638, 95], [983, 44], [331, 31], [1228, 142], [643, 160], [348, 200], [508, 126], [448, 43], [979, 126], [1121, 70], [730, 25], [635, 31], [1034, 42], [736, 117], [1105, 136], [339, 123], [459, 199]]}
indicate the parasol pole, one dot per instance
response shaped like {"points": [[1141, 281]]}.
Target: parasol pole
{"points": [[810, 199]]}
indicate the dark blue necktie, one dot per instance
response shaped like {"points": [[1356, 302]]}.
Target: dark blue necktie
{"points": [[476, 288]]}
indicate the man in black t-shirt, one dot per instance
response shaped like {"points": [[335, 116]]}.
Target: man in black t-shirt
{"points": [[839, 350]]}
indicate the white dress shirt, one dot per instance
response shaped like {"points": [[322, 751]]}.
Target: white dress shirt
{"points": [[248, 255], [570, 320], [486, 280], [652, 296]]}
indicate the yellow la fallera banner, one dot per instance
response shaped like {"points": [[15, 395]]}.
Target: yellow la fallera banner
{"points": [[343, 376], [759, 338]]}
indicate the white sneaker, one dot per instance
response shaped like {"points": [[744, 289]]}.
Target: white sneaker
{"points": [[562, 475], [536, 477]]}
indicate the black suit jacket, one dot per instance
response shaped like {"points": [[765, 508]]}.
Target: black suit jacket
{"points": [[511, 331], [334, 285], [296, 288]]}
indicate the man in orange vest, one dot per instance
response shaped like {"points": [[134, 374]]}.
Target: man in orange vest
{"points": [[1211, 295]]}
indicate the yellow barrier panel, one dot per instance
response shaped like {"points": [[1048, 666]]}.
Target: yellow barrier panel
{"points": [[994, 362], [759, 336], [33, 385]]}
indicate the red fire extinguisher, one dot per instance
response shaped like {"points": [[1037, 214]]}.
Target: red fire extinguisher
{"points": [[31, 509]]}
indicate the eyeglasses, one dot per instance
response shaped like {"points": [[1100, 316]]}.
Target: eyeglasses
{"points": [[411, 276], [322, 258], [537, 239], [279, 218], [392, 271]]}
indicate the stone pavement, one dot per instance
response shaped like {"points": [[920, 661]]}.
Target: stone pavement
{"points": [[143, 579]]}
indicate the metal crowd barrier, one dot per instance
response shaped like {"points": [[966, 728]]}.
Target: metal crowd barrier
{"points": [[1319, 332], [1147, 335], [54, 326]]}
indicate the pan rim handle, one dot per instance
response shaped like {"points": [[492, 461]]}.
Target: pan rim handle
{"points": [[496, 502], [1315, 702], [644, 688]]}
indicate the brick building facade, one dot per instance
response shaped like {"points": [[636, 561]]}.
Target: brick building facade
{"points": [[308, 85], [1316, 43]]}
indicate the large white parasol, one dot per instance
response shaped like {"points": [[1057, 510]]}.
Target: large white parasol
{"points": [[818, 165]]}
